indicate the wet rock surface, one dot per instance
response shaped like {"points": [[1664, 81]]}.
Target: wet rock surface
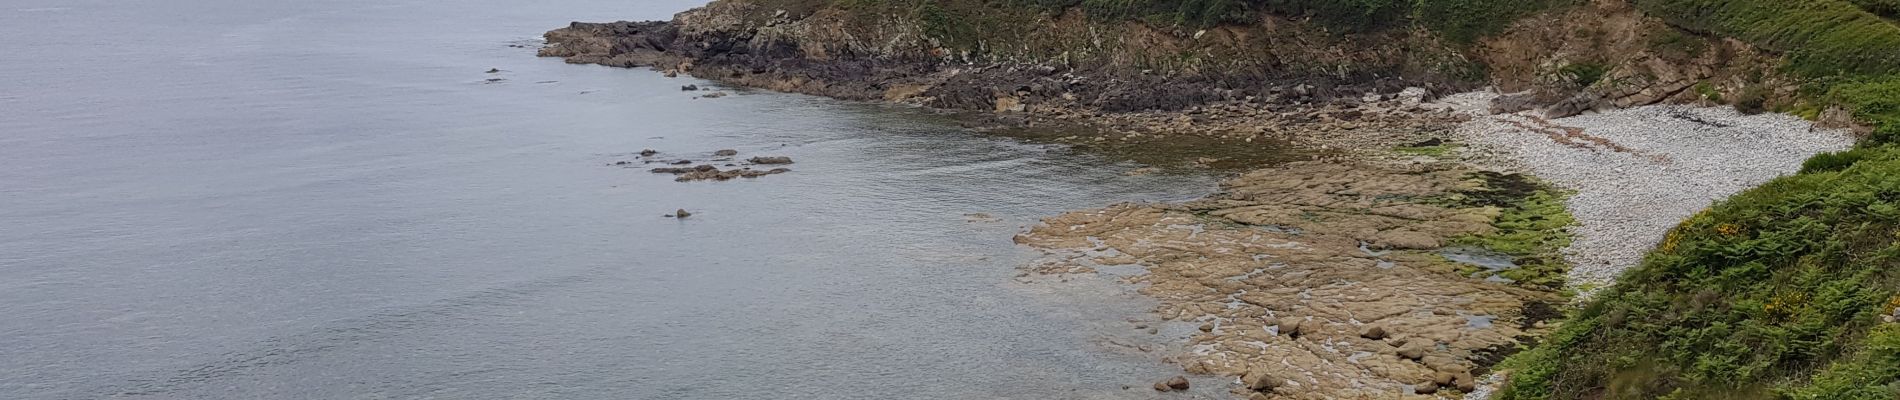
{"points": [[686, 170], [1297, 286]]}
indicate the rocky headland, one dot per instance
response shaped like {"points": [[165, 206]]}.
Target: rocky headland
{"points": [[1414, 201]]}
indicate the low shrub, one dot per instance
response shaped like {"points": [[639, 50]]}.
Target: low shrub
{"points": [[1778, 291]]}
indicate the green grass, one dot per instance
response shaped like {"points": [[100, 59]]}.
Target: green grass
{"points": [[1875, 101], [1774, 292], [1886, 8], [1869, 374], [1822, 38], [1708, 92], [1460, 21], [1584, 74]]}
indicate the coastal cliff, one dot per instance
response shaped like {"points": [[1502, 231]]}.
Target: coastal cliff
{"points": [[1643, 111]]}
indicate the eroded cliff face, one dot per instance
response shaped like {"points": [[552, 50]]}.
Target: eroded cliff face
{"points": [[1602, 54], [1031, 59], [1607, 54]]}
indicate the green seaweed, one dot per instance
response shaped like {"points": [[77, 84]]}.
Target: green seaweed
{"points": [[1438, 150], [1533, 227]]}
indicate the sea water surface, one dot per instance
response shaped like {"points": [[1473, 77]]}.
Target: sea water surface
{"points": [[259, 199]]}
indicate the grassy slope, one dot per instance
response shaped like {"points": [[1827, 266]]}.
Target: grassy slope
{"points": [[1778, 292], [1748, 299]]}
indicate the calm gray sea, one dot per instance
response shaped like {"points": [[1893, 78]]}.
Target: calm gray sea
{"points": [[263, 199]]}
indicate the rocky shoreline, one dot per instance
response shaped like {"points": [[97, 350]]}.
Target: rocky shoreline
{"points": [[1317, 280], [1406, 263], [1102, 107]]}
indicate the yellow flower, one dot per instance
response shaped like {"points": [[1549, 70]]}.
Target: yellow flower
{"points": [[1728, 229], [1669, 242]]}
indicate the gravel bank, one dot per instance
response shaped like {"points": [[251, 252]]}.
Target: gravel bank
{"points": [[1638, 172]]}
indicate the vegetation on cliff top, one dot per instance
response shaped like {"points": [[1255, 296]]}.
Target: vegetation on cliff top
{"points": [[1820, 37], [1461, 21], [1783, 291], [1779, 291]]}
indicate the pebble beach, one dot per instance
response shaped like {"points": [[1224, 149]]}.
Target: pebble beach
{"points": [[1635, 173]]}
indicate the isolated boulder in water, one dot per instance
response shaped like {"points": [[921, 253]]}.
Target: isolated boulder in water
{"points": [[771, 160], [726, 153]]}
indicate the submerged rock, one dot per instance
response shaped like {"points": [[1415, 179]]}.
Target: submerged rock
{"points": [[681, 213], [725, 153], [708, 172], [770, 160]]}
